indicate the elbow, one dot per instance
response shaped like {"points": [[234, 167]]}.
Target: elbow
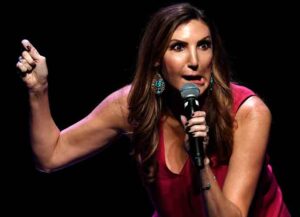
{"points": [[233, 210], [239, 213], [43, 168], [50, 166]]}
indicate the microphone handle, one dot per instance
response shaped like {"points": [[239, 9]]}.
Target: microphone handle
{"points": [[196, 143], [196, 151]]}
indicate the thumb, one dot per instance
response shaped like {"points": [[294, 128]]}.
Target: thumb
{"points": [[30, 49]]}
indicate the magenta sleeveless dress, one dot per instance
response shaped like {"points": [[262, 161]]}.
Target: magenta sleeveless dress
{"points": [[172, 194]]}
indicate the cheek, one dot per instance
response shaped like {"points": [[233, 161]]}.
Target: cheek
{"points": [[173, 65], [171, 76], [206, 60]]}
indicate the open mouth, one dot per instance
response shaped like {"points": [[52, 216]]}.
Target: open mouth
{"points": [[192, 77]]}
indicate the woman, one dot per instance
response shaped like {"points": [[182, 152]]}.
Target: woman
{"points": [[179, 46]]}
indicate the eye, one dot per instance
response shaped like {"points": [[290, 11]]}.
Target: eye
{"points": [[178, 46], [204, 44]]}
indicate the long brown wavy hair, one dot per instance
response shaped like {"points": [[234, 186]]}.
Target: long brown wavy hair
{"points": [[146, 108]]}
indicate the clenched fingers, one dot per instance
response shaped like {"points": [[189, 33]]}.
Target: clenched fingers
{"points": [[32, 51]]}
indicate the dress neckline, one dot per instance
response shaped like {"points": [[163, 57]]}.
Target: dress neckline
{"points": [[163, 155]]}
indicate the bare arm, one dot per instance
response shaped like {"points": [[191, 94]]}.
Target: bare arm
{"points": [[53, 148], [253, 121], [250, 143], [101, 126]]}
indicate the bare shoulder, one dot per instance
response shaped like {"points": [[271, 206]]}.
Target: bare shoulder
{"points": [[254, 108], [119, 95], [251, 134], [114, 109]]}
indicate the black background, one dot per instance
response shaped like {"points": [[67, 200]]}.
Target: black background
{"points": [[91, 50]]}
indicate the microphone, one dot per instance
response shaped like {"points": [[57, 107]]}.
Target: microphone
{"points": [[190, 93]]}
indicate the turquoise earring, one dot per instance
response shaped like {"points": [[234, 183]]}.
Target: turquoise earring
{"points": [[211, 82], [158, 84]]}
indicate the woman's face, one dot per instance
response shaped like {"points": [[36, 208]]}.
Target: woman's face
{"points": [[189, 56]]}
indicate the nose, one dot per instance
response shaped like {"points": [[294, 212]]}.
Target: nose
{"points": [[193, 60]]}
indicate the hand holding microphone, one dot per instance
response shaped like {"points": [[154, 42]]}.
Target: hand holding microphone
{"points": [[198, 129]]}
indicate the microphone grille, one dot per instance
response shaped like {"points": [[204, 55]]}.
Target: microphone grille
{"points": [[189, 90]]}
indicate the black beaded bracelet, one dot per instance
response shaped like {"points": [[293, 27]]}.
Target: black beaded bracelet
{"points": [[207, 187]]}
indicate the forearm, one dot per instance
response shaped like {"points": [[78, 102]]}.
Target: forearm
{"points": [[43, 130], [217, 204]]}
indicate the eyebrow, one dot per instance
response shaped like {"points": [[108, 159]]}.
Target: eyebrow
{"points": [[203, 39]]}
